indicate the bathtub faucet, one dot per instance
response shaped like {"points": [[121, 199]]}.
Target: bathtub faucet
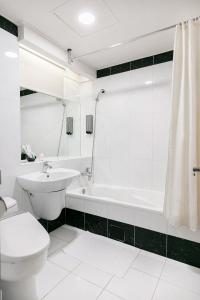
{"points": [[88, 173]]}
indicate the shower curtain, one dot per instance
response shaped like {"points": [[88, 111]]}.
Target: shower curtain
{"points": [[182, 194]]}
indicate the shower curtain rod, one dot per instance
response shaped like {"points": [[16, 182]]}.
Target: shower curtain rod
{"points": [[132, 40]]}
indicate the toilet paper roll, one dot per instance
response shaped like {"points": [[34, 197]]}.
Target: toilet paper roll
{"points": [[3, 207], [8, 205]]}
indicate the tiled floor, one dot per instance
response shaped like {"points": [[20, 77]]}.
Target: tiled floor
{"points": [[85, 266]]}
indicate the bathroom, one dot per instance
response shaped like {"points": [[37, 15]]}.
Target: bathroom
{"points": [[100, 150]]}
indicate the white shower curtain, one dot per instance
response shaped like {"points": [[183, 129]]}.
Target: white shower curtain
{"points": [[182, 194]]}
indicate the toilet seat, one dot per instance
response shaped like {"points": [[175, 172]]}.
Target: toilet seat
{"points": [[22, 238]]}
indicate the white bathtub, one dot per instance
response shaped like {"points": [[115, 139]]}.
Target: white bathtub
{"points": [[143, 208], [125, 197]]}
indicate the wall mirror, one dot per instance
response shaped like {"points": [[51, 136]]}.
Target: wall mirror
{"points": [[50, 126]]}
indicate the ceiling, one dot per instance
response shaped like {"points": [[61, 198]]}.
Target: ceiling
{"points": [[116, 21]]}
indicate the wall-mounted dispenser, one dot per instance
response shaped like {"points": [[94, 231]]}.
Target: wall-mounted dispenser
{"points": [[89, 124], [69, 125]]}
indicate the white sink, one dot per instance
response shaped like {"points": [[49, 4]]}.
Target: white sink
{"points": [[52, 181]]}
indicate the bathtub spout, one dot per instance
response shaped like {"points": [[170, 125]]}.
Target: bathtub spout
{"points": [[88, 173]]}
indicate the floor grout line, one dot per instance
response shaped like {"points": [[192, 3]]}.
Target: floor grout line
{"points": [[159, 279], [55, 286], [103, 289], [131, 265], [62, 268]]}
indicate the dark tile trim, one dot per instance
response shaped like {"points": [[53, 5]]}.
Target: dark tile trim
{"points": [[166, 245], [8, 26], [96, 224], [163, 57], [121, 232], [44, 223], [54, 224], [75, 218], [183, 250], [103, 72], [150, 240], [136, 64], [26, 92], [120, 68], [142, 63]]}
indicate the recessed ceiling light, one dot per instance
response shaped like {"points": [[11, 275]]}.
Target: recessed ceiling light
{"points": [[11, 54], [115, 45], [148, 82], [86, 18]]}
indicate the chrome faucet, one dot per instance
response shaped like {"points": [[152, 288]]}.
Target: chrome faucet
{"points": [[46, 166], [88, 173]]}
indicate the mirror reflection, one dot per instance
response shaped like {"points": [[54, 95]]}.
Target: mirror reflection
{"points": [[49, 126]]}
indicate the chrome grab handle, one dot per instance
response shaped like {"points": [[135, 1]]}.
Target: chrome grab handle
{"points": [[195, 170]]}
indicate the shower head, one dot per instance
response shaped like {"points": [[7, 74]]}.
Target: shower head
{"points": [[101, 92]]}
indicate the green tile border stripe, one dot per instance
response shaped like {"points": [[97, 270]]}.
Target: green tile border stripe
{"points": [[26, 92], [136, 64], [8, 26]]}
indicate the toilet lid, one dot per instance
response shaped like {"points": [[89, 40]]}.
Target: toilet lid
{"points": [[22, 236]]}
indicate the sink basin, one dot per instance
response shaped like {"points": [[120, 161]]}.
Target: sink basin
{"points": [[53, 181]]}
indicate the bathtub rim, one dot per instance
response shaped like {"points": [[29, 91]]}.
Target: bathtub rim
{"points": [[108, 200]]}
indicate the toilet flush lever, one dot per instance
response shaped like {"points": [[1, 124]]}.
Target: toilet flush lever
{"points": [[195, 170]]}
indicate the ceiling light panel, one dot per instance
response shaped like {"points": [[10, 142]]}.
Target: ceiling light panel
{"points": [[86, 17]]}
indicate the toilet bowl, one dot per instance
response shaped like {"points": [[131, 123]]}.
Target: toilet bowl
{"points": [[24, 246]]}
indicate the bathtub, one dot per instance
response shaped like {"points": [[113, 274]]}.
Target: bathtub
{"points": [[125, 197], [142, 208]]}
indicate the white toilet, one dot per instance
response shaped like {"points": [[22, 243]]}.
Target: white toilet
{"points": [[23, 250]]}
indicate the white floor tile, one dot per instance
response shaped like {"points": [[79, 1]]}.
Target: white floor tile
{"points": [[74, 288], [134, 285], [182, 275], [55, 244], [64, 260], [108, 255], [48, 278], [149, 263], [93, 274], [67, 233], [108, 296], [167, 291]]}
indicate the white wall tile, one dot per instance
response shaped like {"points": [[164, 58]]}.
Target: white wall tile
{"points": [[159, 175], [141, 173], [132, 127]]}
